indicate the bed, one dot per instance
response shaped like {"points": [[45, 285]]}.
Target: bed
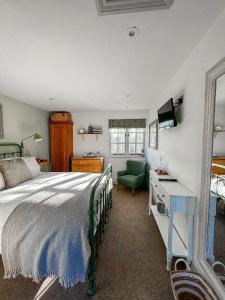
{"points": [[90, 196]]}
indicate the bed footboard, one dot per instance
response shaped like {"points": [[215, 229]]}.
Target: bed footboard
{"points": [[100, 203]]}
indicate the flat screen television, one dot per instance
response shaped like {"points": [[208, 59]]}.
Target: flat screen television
{"points": [[167, 116]]}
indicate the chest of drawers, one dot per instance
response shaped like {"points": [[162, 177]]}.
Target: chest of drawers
{"points": [[216, 169], [89, 165]]}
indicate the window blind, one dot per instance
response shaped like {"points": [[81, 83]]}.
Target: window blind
{"points": [[127, 123]]}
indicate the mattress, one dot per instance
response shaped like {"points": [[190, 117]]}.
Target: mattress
{"points": [[11, 198]]}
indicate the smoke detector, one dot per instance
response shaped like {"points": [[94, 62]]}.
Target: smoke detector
{"points": [[133, 31]]}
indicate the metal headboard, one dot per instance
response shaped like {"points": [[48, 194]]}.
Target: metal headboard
{"points": [[17, 152]]}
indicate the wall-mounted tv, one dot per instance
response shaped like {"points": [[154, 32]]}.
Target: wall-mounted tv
{"points": [[167, 115]]}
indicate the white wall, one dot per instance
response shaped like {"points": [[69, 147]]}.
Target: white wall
{"points": [[21, 120], [182, 146], [100, 118]]}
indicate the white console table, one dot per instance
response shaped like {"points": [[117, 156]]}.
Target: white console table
{"points": [[177, 199]]}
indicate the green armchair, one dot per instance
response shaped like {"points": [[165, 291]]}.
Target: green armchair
{"points": [[134, 176]]}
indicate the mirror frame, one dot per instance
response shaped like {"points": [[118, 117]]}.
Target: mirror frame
{"points": [[212, 75]]}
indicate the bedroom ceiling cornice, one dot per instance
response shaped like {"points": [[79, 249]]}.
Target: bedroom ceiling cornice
{"points": [[110, 7]]}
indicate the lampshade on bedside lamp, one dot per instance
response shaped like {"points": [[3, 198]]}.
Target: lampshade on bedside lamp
{"points": [[36, 136]]}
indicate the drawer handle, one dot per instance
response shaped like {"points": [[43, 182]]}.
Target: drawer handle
{"points": [[156, 185], [163, 196]]}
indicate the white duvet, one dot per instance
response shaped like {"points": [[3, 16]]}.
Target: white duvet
{"points": [[11, 198], [48, 214]]}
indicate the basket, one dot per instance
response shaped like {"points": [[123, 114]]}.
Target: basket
{"points": [[60, 116], [221, 274], [188, 285]]}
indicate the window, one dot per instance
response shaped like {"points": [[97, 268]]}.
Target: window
{"points": [[127, 141]]}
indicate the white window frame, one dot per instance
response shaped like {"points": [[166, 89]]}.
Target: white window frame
{"points": [[126, 153]]}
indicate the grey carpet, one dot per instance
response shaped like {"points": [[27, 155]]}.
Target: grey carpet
{"points": [[131, 264]]}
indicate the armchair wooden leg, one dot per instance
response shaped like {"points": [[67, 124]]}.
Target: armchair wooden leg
{"points": [[133, 192], [118, 187]]}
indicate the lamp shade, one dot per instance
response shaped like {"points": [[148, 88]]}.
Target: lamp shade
{"points": [[37, 137]]}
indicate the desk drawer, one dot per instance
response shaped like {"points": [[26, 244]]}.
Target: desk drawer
{"points": [[88, 169], [154, 182], [158, 193], [165, 198], [86, 162]]}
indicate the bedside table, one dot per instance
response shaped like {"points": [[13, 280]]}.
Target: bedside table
{"points": [[43, 163]]}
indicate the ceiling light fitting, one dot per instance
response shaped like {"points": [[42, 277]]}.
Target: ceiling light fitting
{"points": [[133, 31]]}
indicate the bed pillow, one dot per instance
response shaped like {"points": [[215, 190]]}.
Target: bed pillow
{"points": [[2, 182], [14, 171], [32, 165]]}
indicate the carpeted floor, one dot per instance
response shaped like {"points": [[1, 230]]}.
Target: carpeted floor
{"points": [[131, 265]]}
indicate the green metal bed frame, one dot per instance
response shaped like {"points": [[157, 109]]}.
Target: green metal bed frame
{"points": [[99, 205], [18, 152]]}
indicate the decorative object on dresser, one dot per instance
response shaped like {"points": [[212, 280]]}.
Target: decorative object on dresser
{"points": [[61, 141], [43, 163], [177, 199], [86, 164]]}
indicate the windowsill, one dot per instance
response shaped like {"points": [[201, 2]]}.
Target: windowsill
{"points": [[124, 156]]}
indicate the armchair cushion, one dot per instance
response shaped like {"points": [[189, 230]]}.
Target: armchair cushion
{"points": [[131, 180]]}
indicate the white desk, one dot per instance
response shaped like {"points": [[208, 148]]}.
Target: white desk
{"points": [[177, 199]]}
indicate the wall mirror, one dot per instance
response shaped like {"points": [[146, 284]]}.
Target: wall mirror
{"points": [[212, 245], [216, 222]]}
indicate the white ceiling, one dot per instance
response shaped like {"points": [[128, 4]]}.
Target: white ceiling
{"points": [[63, 49]]}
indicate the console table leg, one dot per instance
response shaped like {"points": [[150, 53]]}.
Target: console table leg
{"points": [[150, 199], [190, 238], [169, 245], [168, 265]]}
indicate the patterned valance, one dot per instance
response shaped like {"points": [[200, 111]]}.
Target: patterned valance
{"points": [[127, 123]]}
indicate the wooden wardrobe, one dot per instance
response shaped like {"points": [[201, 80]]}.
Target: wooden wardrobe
{"points": [[61, 145]]}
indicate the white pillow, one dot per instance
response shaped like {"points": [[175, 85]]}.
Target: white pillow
{"points": [[2, 182], [33, 166]]}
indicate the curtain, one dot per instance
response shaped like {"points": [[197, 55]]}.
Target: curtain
{"points": [[127, 123]]}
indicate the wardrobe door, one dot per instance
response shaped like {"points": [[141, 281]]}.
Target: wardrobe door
{"points": [[69, 146], [58, 147]]}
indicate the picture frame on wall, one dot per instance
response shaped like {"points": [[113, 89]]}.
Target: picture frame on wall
{"points": [[1, 123], [153, 135]]}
